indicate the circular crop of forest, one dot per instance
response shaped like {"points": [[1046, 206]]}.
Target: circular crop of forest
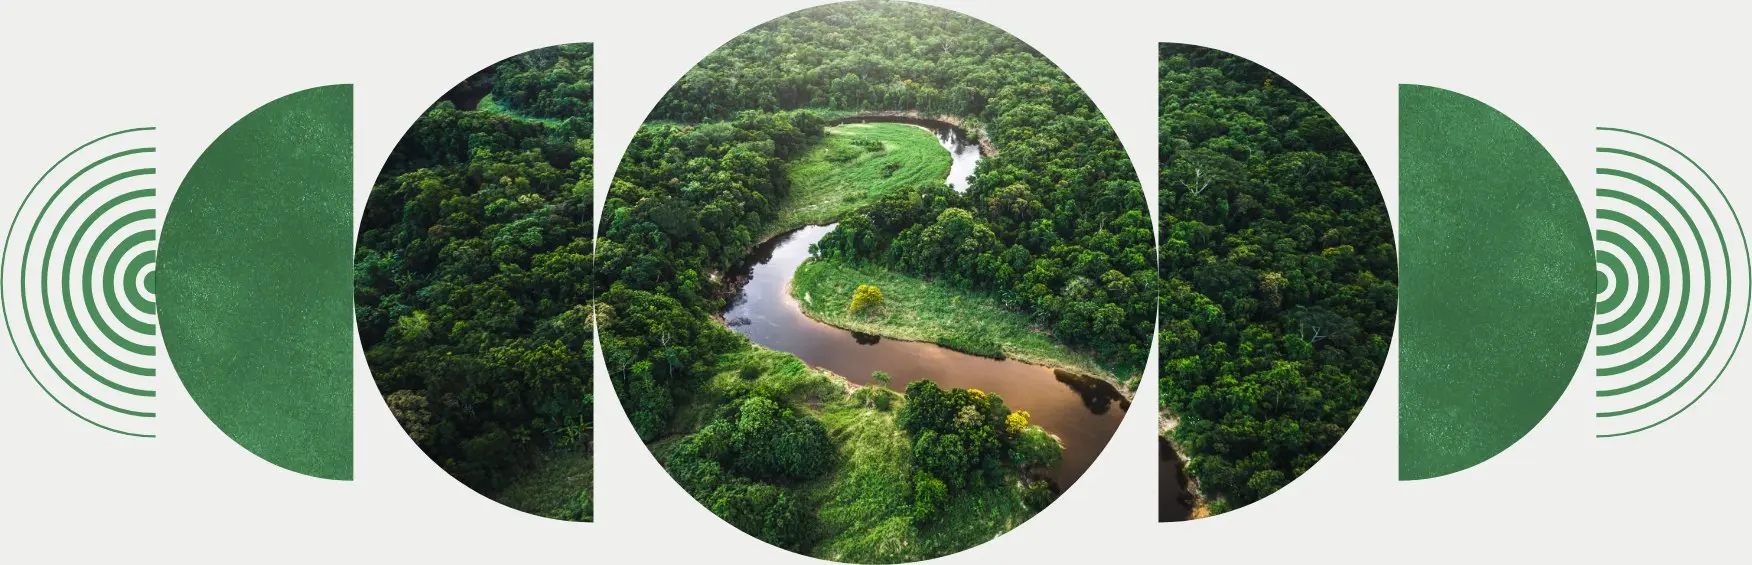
{"points": [[1279, 282], [471, 282], [875, 282]]}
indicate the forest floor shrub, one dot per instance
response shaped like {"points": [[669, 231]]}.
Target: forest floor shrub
{"points": [[845, 171], [920, 310], [552, 485]]}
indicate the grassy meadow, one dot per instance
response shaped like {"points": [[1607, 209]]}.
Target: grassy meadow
{"points": [[920, 310], [488, 105], [855, 164]]}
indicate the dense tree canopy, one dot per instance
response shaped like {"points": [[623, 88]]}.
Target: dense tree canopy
{"points": [[548, 83], [967, 439], [1054, 224], [1279, 286], [471, 281], [735, 463], [685, 206]]}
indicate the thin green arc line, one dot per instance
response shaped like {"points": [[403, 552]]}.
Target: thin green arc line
{"points": [[5, 251], [1660, 257], [1620, 278], [67, 297], [1746, 253], [1684, 290]]}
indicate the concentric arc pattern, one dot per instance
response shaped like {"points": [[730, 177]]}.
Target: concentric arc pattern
{"points": [[78, 282], [1672, 280]]}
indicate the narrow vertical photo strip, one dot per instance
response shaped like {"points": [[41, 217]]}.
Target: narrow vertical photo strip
{"points": [[1279, 282], [472, 282], [876, 282]]}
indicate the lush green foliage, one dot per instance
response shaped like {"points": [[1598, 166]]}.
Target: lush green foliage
{"points": [[471, 288], [755, 439], [866, 297], [685, 206], [548, 83], [963, 437], [930, 495], [1082, 271], [557, 487], [967, 321], [738, 149], [854, 164], [1279, 293], [862, 508]]}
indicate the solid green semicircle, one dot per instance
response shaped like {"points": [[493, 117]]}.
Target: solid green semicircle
{"points": [[1497, 282], [254, 282]]}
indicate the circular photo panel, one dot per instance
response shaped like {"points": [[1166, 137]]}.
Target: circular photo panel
{"points": [[876, 281], [1279, 282], [471, 282]]}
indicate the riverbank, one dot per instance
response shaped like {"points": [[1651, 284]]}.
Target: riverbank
{"points": [[856, 164], [919, 310], [1177, 459]]}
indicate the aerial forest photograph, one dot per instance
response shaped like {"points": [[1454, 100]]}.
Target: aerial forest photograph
{"points": [[875, 282], [472, 282], [1279, 282]]}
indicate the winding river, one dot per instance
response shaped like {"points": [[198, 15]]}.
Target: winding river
{"points": [[1082, 411]]}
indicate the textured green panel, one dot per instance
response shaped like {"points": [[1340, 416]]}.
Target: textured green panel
{"points": [[255, 282], [1496, 282]]}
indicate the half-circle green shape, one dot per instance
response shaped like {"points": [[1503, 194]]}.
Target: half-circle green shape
{"points": [[1497, 282], [254, 282]]}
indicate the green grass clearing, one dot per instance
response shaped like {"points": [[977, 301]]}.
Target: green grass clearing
{"points": [[920, 310], [488, 105], [865, 504], [855, 164]]}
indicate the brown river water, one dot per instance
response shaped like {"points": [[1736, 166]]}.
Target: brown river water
{"points": [[1082, 411]]}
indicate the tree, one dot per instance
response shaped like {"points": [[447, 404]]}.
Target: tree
{"points": [[775, 442], [866, 297], [1037, 449], [470, 275], [929, 497], [1277, 260], [763, 511]]}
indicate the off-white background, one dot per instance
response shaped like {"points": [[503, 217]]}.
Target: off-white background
{"points": [[75, 70]]}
